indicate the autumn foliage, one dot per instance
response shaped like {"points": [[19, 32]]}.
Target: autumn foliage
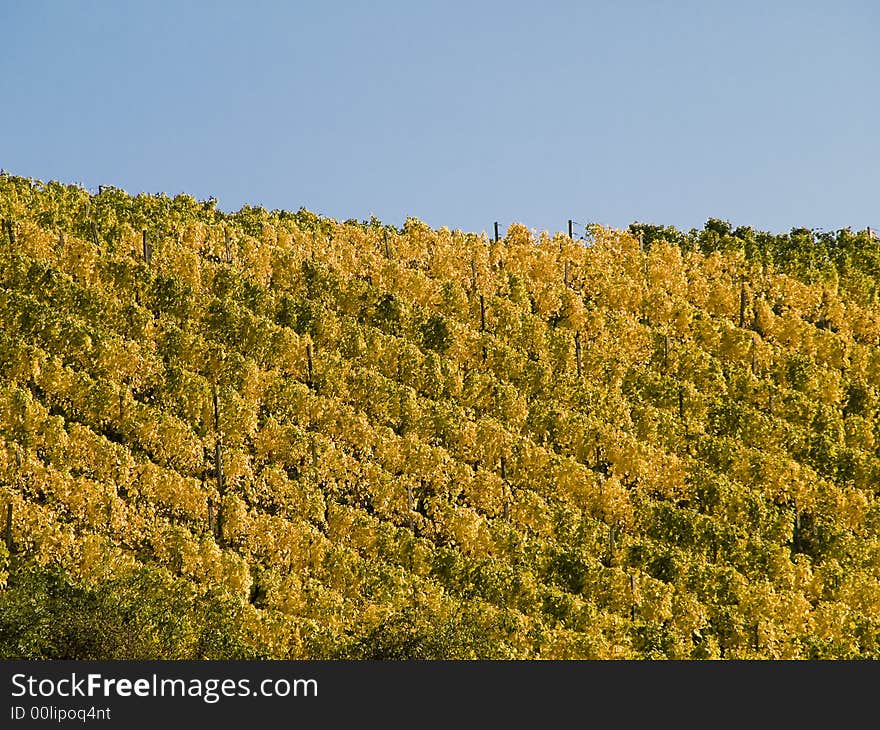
{"points": [[323, 439]]}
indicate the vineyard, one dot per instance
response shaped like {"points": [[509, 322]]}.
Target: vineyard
{"points": [[277, 435]]}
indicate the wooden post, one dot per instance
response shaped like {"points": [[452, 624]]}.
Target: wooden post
{"points": [[577, 351], [219, 524], [681, 402], [216, 399], [8, 531], [309, 364], [496, 232], [7, 224], [632, 595], [218, 457], [218, 443], [387, 248], [742, 303], [482, 313], [95, 234], [571, 228], [148, 249], [505, 487], [228, 245]]}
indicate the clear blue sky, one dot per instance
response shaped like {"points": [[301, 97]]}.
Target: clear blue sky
{"points": [[460, 114]]}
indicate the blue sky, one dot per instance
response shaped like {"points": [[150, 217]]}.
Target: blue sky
{"points": [[459, 114]]}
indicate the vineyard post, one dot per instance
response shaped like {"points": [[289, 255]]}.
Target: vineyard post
{"points": [[218, 520], [681, 402], [148, 249], [7, 534], [632, 594], [473, 277], [309, 365], [218, 455], [387, 248], [7, 224], [228, 245], [577, 351], [94, 228], [218, 442], [216, 402], [742, 303], [211, 524], [505, 487], [571, 228], [610, 557], [496, 232]]}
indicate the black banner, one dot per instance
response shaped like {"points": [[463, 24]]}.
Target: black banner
{"points": [[134, 694]]}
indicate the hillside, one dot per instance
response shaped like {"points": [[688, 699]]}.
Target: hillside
{"points": [[271, 434]]}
